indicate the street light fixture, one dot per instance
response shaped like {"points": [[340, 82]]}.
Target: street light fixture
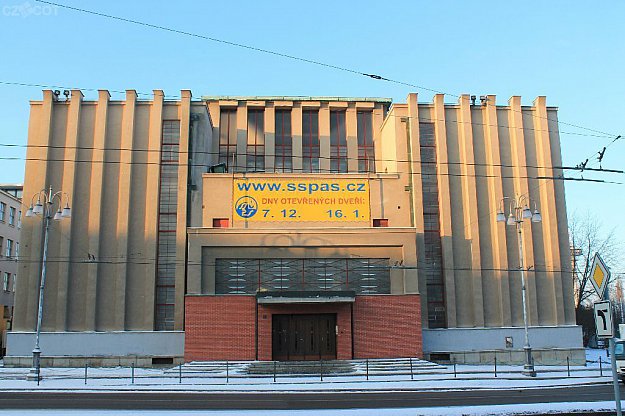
{"points": [[47, 214], [519, 211]]}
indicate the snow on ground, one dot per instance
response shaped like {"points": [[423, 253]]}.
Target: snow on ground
{"points": [[151, 379], [525, 409], [468, 377]]}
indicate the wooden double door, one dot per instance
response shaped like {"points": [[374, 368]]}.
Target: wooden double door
{"points": [[299, 337]]}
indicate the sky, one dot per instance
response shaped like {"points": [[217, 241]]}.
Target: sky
{"points": [[570, 51]]}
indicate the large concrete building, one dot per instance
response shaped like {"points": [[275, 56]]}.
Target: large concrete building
{"points": [[10, 225], [288, 228]]}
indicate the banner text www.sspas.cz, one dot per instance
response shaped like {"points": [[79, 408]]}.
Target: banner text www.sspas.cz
{"points": [[309, 187]]}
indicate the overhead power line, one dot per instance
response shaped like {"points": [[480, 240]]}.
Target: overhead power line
{"points": [[207, 153], [279, 54], [151, 261], [450, 174]]}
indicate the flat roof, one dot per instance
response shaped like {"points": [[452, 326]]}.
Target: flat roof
{"points": [[293, 98]]}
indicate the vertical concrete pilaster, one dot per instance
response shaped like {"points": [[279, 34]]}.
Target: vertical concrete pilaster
{"points": [[98, 157], [554, 304], [241, 137], [324, 138], [416, 191], [444, 206], [155, 133], [39, 138], [521, 187], [270, 138], [65, 227], [495, 194], [351, 127], [296, 131], [181, 223], [123, 213], [470, 206]]}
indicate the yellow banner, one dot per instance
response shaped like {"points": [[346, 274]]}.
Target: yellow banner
{"points": [[295, 200]]}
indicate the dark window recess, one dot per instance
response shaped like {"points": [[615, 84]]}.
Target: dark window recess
{"points": [[338, 142], [310, 141], [228, 138], [440, 357], [435, 286], [366, 158], [249, 276], [162, 360], [284, 142], [255, 141], [380, 222], [221, 222], [167, 214]]}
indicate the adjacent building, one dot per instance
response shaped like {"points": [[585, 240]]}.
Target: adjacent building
{"points": [[10, 225], [294, 228]]}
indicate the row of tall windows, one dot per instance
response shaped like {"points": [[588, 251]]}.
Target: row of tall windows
{"points": [[437, 317], [255, 146], [250, 276], [167, 213]]}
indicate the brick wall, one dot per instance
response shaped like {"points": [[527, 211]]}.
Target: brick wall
{"points": [[343, 321], [220, 328], [387, 326]]}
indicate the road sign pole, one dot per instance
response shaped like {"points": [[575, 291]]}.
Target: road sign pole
{"points": [[617, 392]]}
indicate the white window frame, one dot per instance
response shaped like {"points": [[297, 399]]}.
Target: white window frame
{"points": [[5, 281]]}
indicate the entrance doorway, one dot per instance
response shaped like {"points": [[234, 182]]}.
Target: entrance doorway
{"points": [[299, 337]]}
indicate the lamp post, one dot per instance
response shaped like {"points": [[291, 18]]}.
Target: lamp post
{"points": [[45, 208], [519, 211]]}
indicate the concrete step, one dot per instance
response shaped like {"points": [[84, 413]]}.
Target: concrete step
{"points": [[375, 366], [301, 367]]}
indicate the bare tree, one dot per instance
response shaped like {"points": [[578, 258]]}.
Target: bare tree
{"points": [[587, 238]]}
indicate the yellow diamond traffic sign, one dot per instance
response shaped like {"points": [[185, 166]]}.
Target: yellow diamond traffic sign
{"points": [[599, 275]]}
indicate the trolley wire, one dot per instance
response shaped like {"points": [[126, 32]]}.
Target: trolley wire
{"points": [[281, 55]]}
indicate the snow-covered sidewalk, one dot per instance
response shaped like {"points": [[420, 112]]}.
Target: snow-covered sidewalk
{"points": [[467, 378], [464, 377]]}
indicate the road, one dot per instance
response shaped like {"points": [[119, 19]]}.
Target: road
{"points": [[137, 400]]}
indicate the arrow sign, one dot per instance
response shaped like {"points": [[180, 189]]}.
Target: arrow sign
{"points": [[603, 319]]}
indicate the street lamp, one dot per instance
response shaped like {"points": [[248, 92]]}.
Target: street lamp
{"points": [[45, 208], [519, 211]]}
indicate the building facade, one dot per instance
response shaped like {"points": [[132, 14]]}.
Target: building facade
{"points": [[288, 228], [10, 225]]}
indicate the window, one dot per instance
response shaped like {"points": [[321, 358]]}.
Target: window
{"points": [[9, 248], [338, 142], [221, 222], [5, 281], [167, 214], [435, 285], [310, 141], [284, 141], [13, 282], [3, 208], [255, 140], [228, 138], [17, 249], [11, 216], [1, 245], [19, 219], [249, 276], [366, 154], [380, 222]]}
